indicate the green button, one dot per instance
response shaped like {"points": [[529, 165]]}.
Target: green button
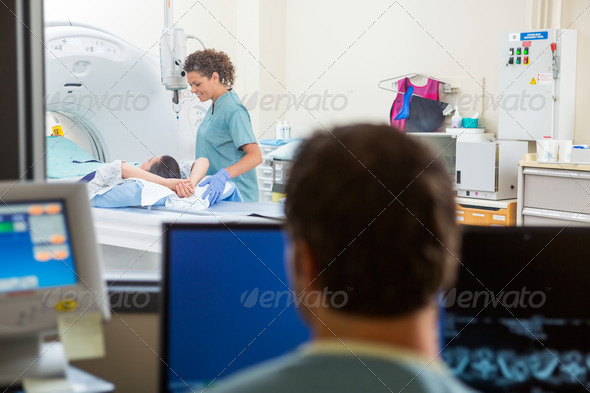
{"points": [[6, 227], [518, 51], [526, 51]]}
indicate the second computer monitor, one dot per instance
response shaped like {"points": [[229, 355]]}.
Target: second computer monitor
{"points": [[227, 303], [517, 319]]}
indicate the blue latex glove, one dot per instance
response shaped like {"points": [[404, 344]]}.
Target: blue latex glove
{"points": [[216, 186]]}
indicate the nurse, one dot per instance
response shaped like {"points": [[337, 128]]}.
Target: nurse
{"points": [[225, 135]]}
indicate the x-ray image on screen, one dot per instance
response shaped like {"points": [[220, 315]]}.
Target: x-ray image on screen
{"points": [[517, 318]]}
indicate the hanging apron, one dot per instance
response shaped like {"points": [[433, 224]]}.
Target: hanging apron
{"points": [[429, 90]]}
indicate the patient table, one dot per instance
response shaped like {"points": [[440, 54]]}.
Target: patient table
{"points": [[132, 238]]}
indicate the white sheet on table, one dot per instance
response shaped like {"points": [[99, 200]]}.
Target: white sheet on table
{"points": [[153, 192]]}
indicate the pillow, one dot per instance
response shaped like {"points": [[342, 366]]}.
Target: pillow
{"points": [[286, 152]]}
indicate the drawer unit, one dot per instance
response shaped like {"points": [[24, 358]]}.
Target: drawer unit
{"points": [[488, 213], [272, 174], [264, 172], [280, 170], [541, 217], [553, 194], [265, 184], [265, 196], [556, 189]]}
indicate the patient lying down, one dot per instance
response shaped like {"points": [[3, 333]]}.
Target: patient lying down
{"points": [[163, 170]]}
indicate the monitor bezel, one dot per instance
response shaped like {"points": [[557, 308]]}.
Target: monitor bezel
{"points": [[167, 228], [85, 250], [523, 233]]}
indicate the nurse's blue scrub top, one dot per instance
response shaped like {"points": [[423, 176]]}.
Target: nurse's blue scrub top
{"points": [[220, 136]]}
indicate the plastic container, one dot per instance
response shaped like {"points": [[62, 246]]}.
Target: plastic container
{"points": [[456, 120], [265, 172], [279, 130], [564, 153], [547, 150], [265, 184], [469, 122], [286, 131], [265, 196]]}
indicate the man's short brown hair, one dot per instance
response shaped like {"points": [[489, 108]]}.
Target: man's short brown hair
{"points": [[378, 214]]}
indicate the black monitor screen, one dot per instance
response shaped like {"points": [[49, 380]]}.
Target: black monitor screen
{"points": [[227, 302], [36, 246], [517, 319]]}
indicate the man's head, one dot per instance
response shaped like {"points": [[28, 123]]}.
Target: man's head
{"points": [[376, 214], [164, 166]]}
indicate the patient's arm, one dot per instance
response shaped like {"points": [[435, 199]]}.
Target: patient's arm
{"points": [[128, 171], [198, 171]]}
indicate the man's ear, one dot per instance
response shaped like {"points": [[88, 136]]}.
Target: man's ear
{"points": [[305, 267], [215, 76]]}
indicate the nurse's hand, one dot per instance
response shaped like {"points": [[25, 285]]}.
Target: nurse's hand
{"points": [[216, 186], [184, 188]]}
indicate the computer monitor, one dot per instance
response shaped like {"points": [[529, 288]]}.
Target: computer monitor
{"points": [[50, 264], [226, 304], [517, 319]]}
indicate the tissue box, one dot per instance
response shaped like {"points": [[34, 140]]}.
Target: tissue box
{"points": [[580, 155]]}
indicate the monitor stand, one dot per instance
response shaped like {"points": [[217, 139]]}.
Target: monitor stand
{"points": [[29, 357]]}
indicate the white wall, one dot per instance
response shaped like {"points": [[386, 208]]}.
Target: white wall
{"points": [[348, 47], [332, 54]]}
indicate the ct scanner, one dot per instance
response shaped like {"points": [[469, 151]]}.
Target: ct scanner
{"points": [[108, 96]]}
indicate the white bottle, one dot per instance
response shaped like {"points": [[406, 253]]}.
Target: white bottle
{"points": [[456, 120], [279, 130], [286, 131]]}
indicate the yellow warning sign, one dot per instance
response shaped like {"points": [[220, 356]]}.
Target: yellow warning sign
{"points": [[57, 130], [533, 81]]}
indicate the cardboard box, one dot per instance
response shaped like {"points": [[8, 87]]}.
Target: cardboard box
{"points": [[581, 156]]}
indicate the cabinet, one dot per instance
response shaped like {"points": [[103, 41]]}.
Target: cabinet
{"points": [[553, 194], [264, 173], [481, 212]]}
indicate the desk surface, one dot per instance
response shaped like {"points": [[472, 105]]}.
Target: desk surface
{"points": [[502, 203], [80, 382], [555, 165]]}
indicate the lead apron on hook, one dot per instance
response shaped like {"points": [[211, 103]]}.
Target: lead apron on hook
{"points": [[425, 115], [429, 90]]}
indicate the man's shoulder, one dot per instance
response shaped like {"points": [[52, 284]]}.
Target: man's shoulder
{"points": [[260, 378], [320, 373]]}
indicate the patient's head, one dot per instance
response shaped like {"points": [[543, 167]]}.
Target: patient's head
{"points": [[164, 166]]}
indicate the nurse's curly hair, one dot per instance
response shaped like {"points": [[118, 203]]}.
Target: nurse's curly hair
{"points": [[208, 61]]}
